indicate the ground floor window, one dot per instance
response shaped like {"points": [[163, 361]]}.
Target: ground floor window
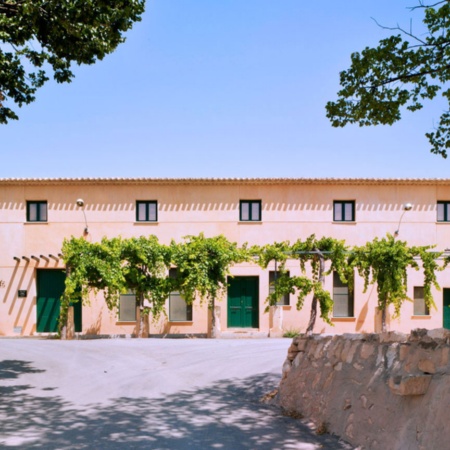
{"points": [[127, 307], [420, 307], [273, 276], [179, 310], [342, 298]]}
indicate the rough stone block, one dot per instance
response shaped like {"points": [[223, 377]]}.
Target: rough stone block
{"points": [[409, 384], [444, 356], [427, 366], [345, 351], [366, 350], [363, 401], [438, 333], [293, 348], [298, 359], [318, 352], [391, 355], [403, 351], [393, 336], [351, 352], [417, 334], [302, 344]]}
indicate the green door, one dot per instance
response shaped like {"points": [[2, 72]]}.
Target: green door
{"points": [[50, 288], [446, 309], [243, 299]]}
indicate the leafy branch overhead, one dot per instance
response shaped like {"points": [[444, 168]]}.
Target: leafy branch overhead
{"points": [[401, 72], [42, 36]]}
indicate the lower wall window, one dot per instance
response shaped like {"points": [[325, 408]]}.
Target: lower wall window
{"points": [[284, 301], [342, 298], [179, 310], [420, 307], [127, 308]]}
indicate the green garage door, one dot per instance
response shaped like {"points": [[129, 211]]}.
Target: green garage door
{"points": [[243, 299], [50, 288]]}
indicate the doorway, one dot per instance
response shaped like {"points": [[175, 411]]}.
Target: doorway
{"points": [[243, 302], [50, 285]]}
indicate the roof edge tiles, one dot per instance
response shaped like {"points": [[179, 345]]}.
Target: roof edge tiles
{"points": [[223, 181]]}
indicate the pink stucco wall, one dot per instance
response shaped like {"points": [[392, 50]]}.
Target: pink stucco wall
{"points": [[291, 209]]}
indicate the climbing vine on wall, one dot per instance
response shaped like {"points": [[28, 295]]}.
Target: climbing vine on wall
{"points": [[386, 262], [142, 264], [203, 264], [311, 253]]}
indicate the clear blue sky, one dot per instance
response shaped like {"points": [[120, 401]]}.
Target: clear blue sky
{"points": [[229, 88]]}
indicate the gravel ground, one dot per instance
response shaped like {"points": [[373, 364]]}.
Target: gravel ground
{"points": [[147, 394]]}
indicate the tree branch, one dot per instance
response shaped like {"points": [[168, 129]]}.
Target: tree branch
{"points": [[398, 28], [423, 6], [408, 76]]}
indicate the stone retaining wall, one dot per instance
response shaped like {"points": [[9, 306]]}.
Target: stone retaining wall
{"points": [[385, 391]]}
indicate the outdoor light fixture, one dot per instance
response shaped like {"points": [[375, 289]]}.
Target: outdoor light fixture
{"points": [[80, 204], [406, 207]]}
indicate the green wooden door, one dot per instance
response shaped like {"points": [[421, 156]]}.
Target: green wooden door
{"points": [[77, 315], [243, 300], [446, 309], [50, 287]]}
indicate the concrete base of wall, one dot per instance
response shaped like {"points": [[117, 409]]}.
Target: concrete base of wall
{"points": [[377, 391], [244, 333]]}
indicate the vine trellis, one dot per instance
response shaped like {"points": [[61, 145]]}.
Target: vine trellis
{"points": [[203, 264]]}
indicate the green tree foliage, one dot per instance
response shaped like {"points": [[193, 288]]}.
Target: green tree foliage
{"points": [[386, 262], [203, 267], [92, 266], [41, 36], [314, 253], [142, 264], [145, 264], [117, 265], [402, 71]]}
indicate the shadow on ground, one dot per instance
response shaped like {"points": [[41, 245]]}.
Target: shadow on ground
{"points": [[226, 415]]}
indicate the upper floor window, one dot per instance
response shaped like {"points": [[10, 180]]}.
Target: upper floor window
{"points": [[284, 301], [420, 306], [342, 298], [344, 210], [443, 211], [250, 210], [37, 211], [147, 211]]}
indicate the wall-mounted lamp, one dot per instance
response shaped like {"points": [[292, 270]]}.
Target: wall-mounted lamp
{"points": [[406, 207], [80, 204]]}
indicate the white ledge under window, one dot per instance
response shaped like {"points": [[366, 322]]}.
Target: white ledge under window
{"points": [[339, 222], [343, 319], [146, 223]]}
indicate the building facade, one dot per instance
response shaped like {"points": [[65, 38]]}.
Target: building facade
{"points": [[37, 214]]}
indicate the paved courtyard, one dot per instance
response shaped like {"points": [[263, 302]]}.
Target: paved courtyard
{"points": [[146, 394]]}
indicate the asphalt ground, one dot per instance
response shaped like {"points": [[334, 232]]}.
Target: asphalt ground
{"points": [[147, 394]]}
